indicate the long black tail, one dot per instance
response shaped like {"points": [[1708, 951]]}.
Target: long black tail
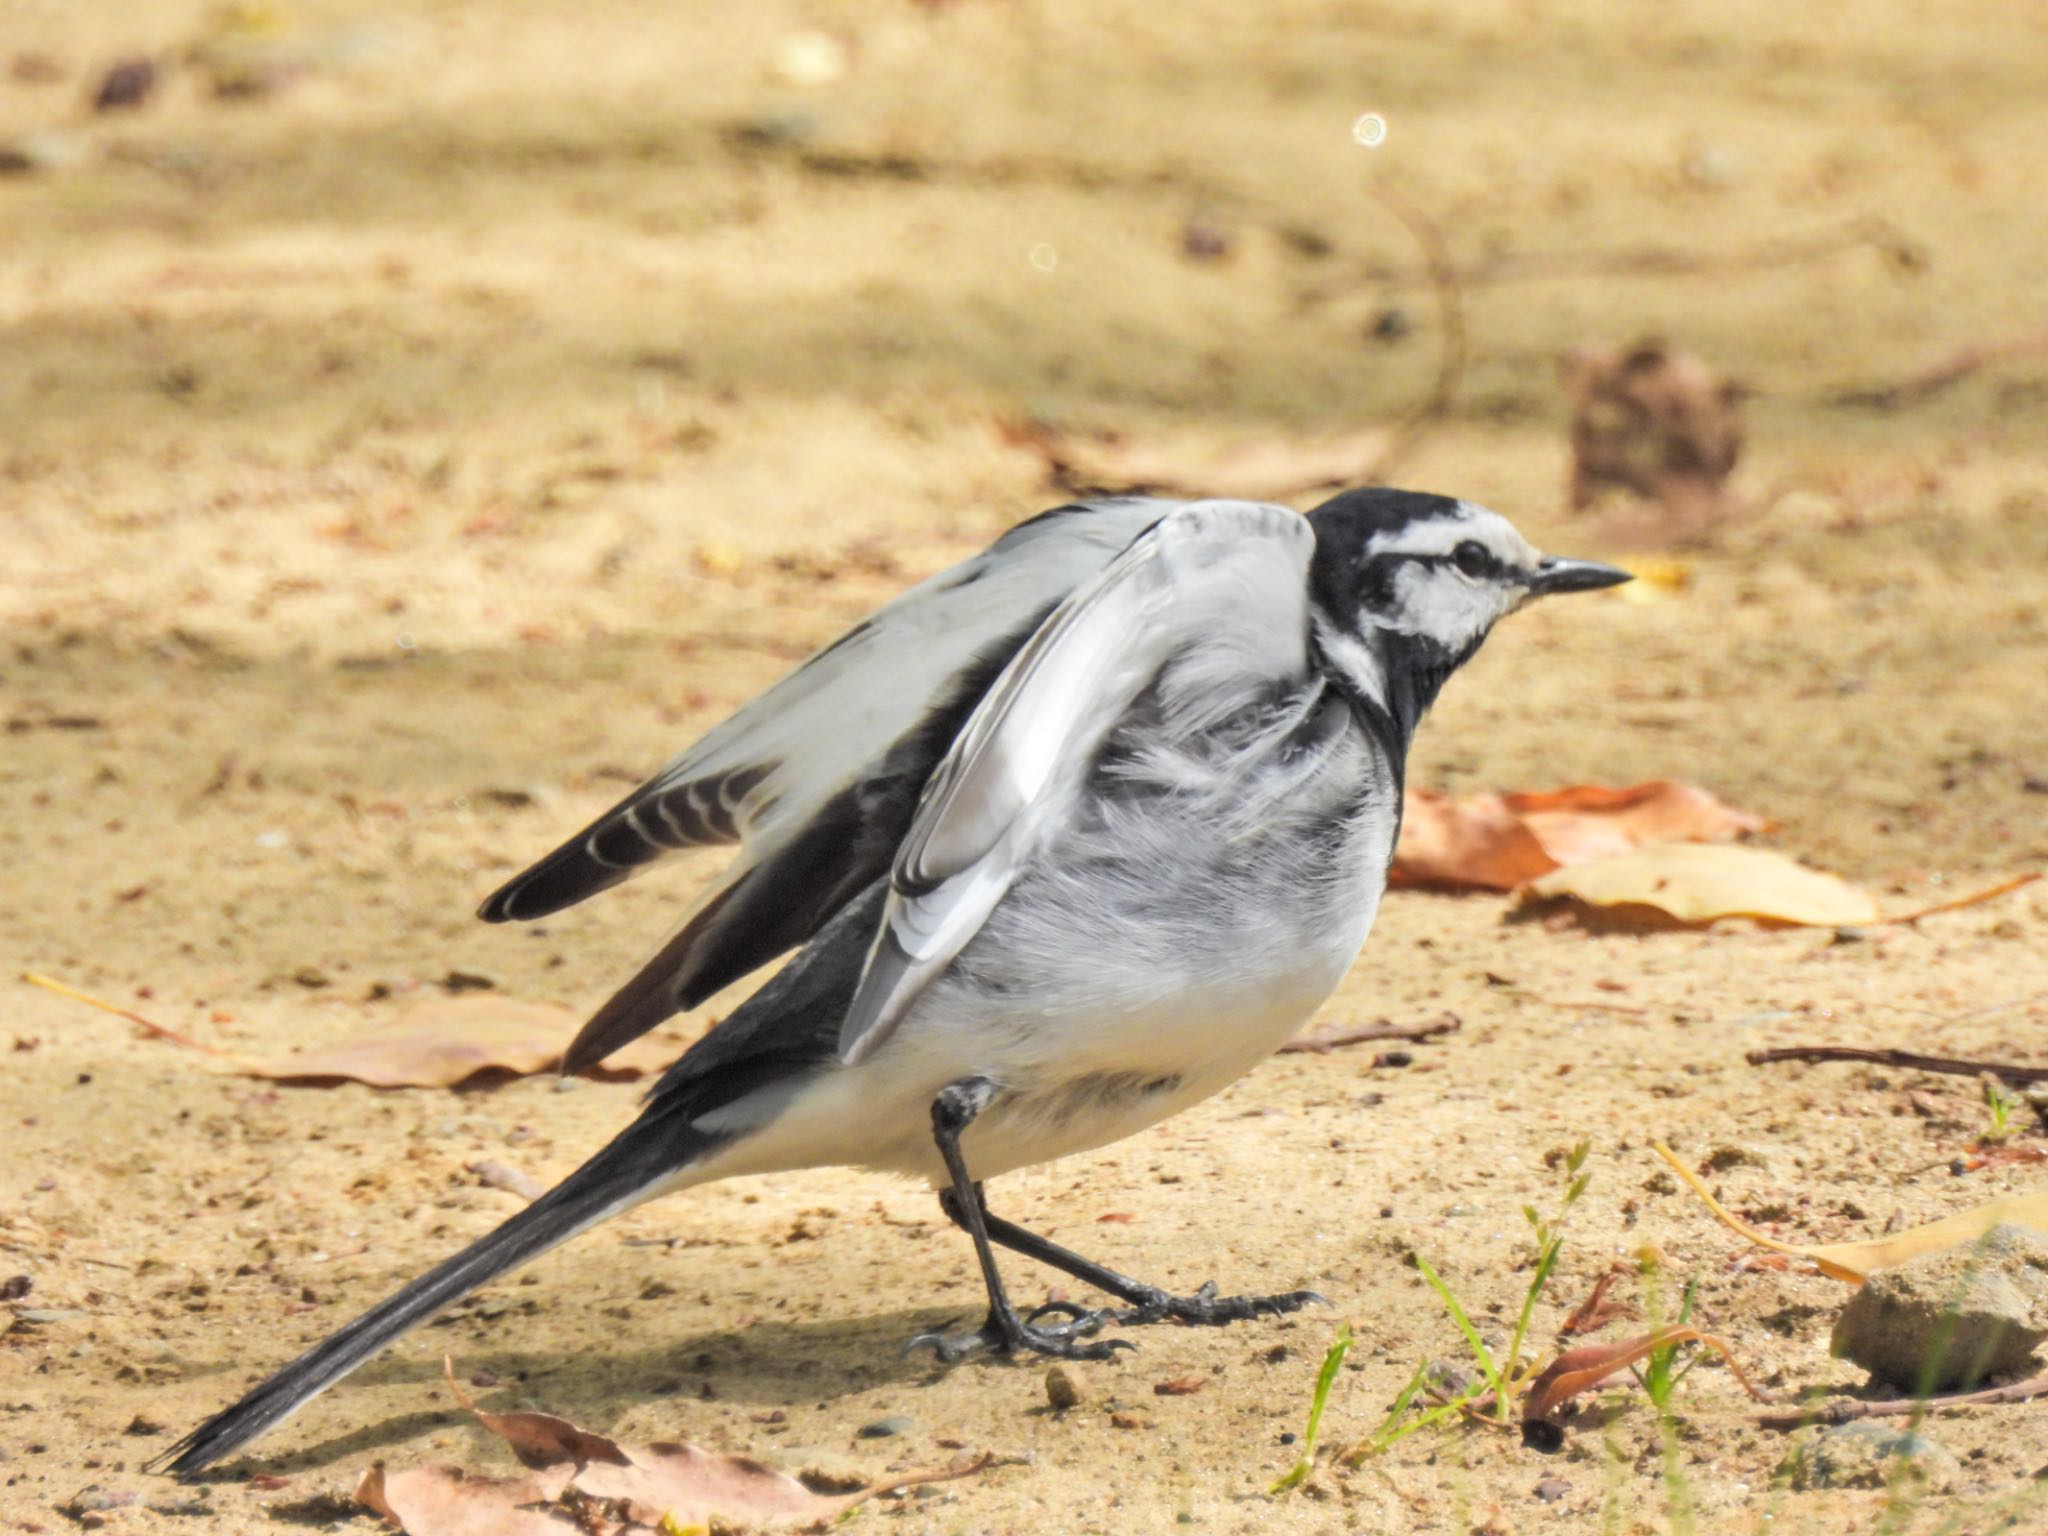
{"points": [[645, 1155]]}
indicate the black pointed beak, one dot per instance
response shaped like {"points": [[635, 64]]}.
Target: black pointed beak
{"points": [[1555, 574]]}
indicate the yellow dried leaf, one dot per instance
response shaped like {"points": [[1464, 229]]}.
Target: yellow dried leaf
{"points": [[1698, 883], [1655, 580], [1856, 1262], [717, 557]]}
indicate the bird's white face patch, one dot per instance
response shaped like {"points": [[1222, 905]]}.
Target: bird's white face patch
{"points": [[1450, 579]]}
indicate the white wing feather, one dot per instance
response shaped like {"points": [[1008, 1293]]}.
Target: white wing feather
{"points": [[1217, 589], [763, 776], [839, 713]]}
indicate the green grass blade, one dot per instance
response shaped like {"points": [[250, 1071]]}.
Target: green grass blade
{"points": [[1333, 1361], [1546, 1263], [1457, 1311], [1382, 1436]]}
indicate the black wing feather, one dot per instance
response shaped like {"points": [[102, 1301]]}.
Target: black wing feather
{"points": [[789, 896], [638, 830]]}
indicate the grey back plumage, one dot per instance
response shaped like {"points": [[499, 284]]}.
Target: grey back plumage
{"points": [[1215, 591]]}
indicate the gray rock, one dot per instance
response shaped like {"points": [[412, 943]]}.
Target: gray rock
{"points": [[95, 1498], [1868, 1455], [1946, 1321], [883, 1429]]}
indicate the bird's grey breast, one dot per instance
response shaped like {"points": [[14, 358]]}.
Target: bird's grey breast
{"points": [[1242, 858], [1205, 893]]}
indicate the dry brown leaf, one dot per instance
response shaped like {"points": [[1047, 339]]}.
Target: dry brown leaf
{"points": [[1596, 1311], [1179, 1386], [1475, 842], [539, 1439], [1499, 842], [441, 1041], [1696, 884], [1582, 1369], [1855, 1262], [588, 1484], [446, 1501]]}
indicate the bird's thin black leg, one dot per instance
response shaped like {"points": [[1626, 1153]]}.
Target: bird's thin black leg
{"points": [[1004, 1331], [1148, 1303]]}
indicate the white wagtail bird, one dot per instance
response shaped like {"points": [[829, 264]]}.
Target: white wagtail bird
{"points": [[1071, 836]]}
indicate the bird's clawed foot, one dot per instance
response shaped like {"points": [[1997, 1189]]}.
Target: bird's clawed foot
{"points": [[1205, 1307], [1005, 1333]]}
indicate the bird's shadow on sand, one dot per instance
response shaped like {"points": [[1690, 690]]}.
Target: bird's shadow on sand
{"points": [[769, 1364]]}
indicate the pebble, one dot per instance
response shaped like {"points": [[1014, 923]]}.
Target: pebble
{"points": [[93, 1499], [514, 1181], [882, 1429], [1392, 324], [1869, 1455], [821, 1467], [45, 150], [126, 85], [1947, 1321], [186, 1504], [810, 58], [1721, 1159], [1066, 1386], [1203, 241], [1713, 166]]}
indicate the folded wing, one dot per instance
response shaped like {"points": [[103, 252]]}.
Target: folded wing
{"points": [[1216, 591]]}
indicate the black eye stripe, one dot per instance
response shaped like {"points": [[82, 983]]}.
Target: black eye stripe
{"points": [[1470, 558]]}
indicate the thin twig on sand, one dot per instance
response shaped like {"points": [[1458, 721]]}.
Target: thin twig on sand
{"points": [[1867, 231], [1925, 382], [1974, 899], [1320, 1042], [2004, 1071], [1842, 1409], [150, 1026]]}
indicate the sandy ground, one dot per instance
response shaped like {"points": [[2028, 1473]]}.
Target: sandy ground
{"points": [[397, 464]]}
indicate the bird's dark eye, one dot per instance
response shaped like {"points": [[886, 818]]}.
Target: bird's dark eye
{"points": [[1471, 558]]}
